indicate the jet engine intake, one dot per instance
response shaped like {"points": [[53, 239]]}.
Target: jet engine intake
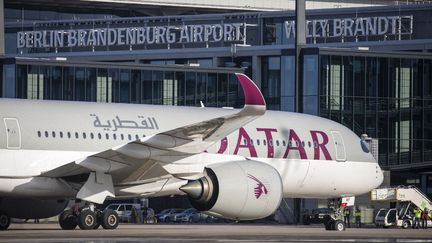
{"points": [[241, 190]]}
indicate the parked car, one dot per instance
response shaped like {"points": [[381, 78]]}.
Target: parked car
{"points": [[190, 215], [124, 210], [164, 215], [317, 216], [178, 217]]}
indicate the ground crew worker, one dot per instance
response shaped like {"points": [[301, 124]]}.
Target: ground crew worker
{"points": [[347, 214], [425, 218], [144, 214], [417, 215], [134, 215], [357, 215]]}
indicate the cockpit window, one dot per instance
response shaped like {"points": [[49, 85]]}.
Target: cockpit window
{"points": [[364, 146]]}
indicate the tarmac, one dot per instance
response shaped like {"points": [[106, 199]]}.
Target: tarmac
{"points": [[29, 232]]}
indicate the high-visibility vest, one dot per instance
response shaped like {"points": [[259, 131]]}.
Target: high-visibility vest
{"points": [[358, 214], [417, 213], [347, 212]]}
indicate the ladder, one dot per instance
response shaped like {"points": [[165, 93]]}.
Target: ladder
{"points": [[403, 194]]}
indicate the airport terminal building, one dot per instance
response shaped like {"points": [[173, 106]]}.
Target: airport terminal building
{"points": [[369, 68]]}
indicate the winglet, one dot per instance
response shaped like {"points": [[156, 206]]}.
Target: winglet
{"points": [[252, 93]]}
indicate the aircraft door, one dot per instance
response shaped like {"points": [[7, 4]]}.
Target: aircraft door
{"points": [[339, 146], [13, 133]]}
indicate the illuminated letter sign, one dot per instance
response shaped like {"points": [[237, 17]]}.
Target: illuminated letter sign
{"points": [[228, 32]]}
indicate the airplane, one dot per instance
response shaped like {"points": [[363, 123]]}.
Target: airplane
{"points": [[231, 163]]}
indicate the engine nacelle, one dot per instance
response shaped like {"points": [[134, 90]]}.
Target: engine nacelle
{"points": [[242, 190]]}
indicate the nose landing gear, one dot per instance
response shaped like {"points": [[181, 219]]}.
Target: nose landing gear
{"points": [[333, 221]]}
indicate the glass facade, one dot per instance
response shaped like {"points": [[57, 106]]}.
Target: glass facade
{"points": [[134, 84], [388, 98]]}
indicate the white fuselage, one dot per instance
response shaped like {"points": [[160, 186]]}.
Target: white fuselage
{"points": [[315, 157]]}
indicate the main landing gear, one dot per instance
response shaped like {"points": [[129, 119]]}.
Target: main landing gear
{"points": [[333, 221], [86, 219]]}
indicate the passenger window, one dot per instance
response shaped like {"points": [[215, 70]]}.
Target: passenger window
{"points": [[84, 135], [258, 142], [128, 207], [76, 135], [107, 136], [309, 144], [302, 143], [91, 135], [264, 142], [271, 142], [290, 143], [283, 143], [61, 134], [129, 137], [244, 140], [136, 137], [122, 136], [39, 134], [99, 136], [115, 136], [69, 134], [277, 143], [252, 141], [46, 134]]}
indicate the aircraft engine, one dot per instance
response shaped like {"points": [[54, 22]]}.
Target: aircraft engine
{"points": [[241, 190]]}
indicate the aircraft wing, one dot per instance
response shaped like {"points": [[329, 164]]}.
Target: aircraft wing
{"points": [[142, 160]]}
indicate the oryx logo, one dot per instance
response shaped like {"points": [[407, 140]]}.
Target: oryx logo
{"points": [[260, 187]]}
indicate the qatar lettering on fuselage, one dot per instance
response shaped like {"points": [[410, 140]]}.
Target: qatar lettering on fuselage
{"points": [[244, 142]]}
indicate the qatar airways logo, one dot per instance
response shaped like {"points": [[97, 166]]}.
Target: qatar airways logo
{"points": [[260, 188], [293, 147]]}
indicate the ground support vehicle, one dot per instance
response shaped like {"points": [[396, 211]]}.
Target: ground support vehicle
{"points": [[407, 198], [317, 216]]}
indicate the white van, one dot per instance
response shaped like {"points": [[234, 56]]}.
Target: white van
{"points": [[124, 210]]}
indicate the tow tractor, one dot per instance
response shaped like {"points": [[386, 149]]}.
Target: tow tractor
{"points": [[407, 199]]}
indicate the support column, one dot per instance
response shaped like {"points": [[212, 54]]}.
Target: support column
{"points": [[2, 29], [300, 42], [215, 62], [256, 70]]}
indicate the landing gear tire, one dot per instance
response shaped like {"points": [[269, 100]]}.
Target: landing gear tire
{"points": [[98, 219], [68, 220], [339, 225], [109, 219], [87, 220], [4, 221]]}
